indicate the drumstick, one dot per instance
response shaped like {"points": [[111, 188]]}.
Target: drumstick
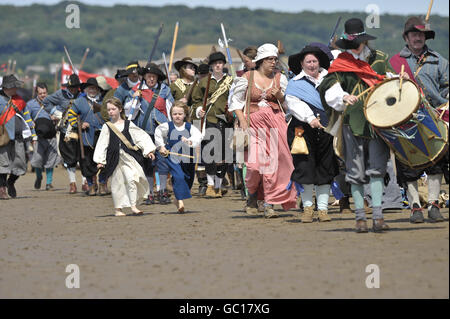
{"points": [[178, 154], [361, 94], [401, 82]]}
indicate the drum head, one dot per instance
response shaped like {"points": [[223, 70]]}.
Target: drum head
{"points": [[385, 107]]}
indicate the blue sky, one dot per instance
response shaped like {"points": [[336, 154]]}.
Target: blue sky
{"points": [[403, 7]]}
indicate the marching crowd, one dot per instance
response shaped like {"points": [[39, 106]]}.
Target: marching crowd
{"points": [[292, 130]]}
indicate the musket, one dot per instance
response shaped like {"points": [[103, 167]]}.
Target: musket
{"points": [[165, 66], [135, 100], [334, 32], [80, 137], [240, 55], [70, 61], [205, 100], [230, 62]]}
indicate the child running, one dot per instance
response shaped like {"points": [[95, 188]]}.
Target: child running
{"points": [[119, 152], [176, 141]]}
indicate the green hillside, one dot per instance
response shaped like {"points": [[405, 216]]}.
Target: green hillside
{"points": [[35, 35]]}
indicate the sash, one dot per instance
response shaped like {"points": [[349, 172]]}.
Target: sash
{"points": [[160, 103], [345, 62], [225, 86], [150, 108], [397, 61], [17, 104], [306, 91], [122, 137]]}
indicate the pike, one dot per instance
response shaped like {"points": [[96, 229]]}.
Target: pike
{"points": [[175, 34], [165, 66], [427, 18], [230, 62], [334, 32], [84, 58], [135, 100], [70, 61], [205, 101]]}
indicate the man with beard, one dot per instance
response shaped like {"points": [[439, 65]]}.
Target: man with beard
{"points": [[430, 71]]}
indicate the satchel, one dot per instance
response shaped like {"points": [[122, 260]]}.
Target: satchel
{"points": [[299, 144], [4, 137]]}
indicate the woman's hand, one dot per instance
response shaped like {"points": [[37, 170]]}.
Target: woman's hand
{"points": [[201, 113], [151, 156], [100, 166], [163, 151], [278, 93], [316, 124]]}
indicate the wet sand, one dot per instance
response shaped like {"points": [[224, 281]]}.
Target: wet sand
{"points": [[212, 251]]}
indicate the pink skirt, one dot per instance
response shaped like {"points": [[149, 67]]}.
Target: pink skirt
{"points": [[269, 160]]}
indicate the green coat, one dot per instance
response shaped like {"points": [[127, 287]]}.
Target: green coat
{"points": [[218, 108], [352, 84]]}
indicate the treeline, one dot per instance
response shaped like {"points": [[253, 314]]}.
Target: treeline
{"points": [[36, 34]]}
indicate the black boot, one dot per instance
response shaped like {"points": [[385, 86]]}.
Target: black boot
{"points": [[10, 185]]}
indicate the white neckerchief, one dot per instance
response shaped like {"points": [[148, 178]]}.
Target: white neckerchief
{"points": [[322, 73], [93, 99], [145, 86], [132, 84], [363, 56]]}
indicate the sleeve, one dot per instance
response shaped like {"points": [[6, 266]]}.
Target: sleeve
{"points": [[127, 107], [334, 97], [197, 94], [237, 99], [50, 102], [299, 109], [443, 77], [29, 121], [72, 114], [161, 132], [283, 83], [141, 139], [196, 137], [102, 146]]}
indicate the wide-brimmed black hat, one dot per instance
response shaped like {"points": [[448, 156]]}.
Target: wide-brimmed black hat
{"points": [[216, 56], [154, 69], [185, 61], [89, 82], [295, 60], [203, 68], [416, 24], [132, 67], [74, 81], [10, 81], [354, 35]]}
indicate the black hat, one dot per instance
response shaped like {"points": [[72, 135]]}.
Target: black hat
{"points": [[216, 56], [203, 68], [153, 68], [416, 24], [89, 82], [354, 35], [74, 81], [185, 61], [10, 81], [132, 67], [295, 60]]}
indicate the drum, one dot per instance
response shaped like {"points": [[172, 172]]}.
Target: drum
{"points": [[407, 123]]}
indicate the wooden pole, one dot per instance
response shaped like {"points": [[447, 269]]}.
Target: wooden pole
{"points": [[429, 11], [402, 71], [175, 34], [55, 82], [8, 68], [13, 69], [84, 58]]}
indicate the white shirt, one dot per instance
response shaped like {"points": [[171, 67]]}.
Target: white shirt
{"points": [[296, 106], [162, 131]]}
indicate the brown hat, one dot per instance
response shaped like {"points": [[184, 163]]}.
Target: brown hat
{"points": [[416, 24], [185, 61]]}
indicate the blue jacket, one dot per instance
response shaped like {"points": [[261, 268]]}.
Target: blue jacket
{"points": [[122, 92], [59, 101], [34, 106], [11, 124]]}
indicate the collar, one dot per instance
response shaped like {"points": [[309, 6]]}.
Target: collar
{"points": [[406, 52], [218, 80], [363, 56], [145, 86], [302, 74]]}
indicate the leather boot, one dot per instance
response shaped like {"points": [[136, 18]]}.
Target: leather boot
{"points": [[252, 204], [85, 187], [92, 191], [103, 189], [379, 225], [3, 194], [308, 215], [72, 188], [323, 216], [344, 205]]}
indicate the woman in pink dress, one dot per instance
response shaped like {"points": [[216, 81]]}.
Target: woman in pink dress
{"points": [[268, 159]]}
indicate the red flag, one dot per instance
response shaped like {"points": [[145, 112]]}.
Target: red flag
{"points": [[67, 71]]}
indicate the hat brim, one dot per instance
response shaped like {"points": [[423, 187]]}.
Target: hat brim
{"points": [[295, 60], [429, 34], [346, 44], [85, 85], [158, 72], [179, 64], [16, 84], [217, 59]]}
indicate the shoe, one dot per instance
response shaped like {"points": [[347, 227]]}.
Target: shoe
{"points": [[150, 200], [361, 226], [269, 212], [261, 206], [49, 187], [308, 215], [416, 216], [223, 191], [103, 189], [92, 191], [3, 193], [434, 213], [37, 183], [210, 192], [72, 188], [12, 190], [323, 216], [85, 187], [251, 210], [157, 197], [379, 225], [164, 198], [119, 213], [201, 190], [344, 206]]}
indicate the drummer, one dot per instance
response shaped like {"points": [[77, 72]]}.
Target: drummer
{"points": [[366, 155], [430, 71]]}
